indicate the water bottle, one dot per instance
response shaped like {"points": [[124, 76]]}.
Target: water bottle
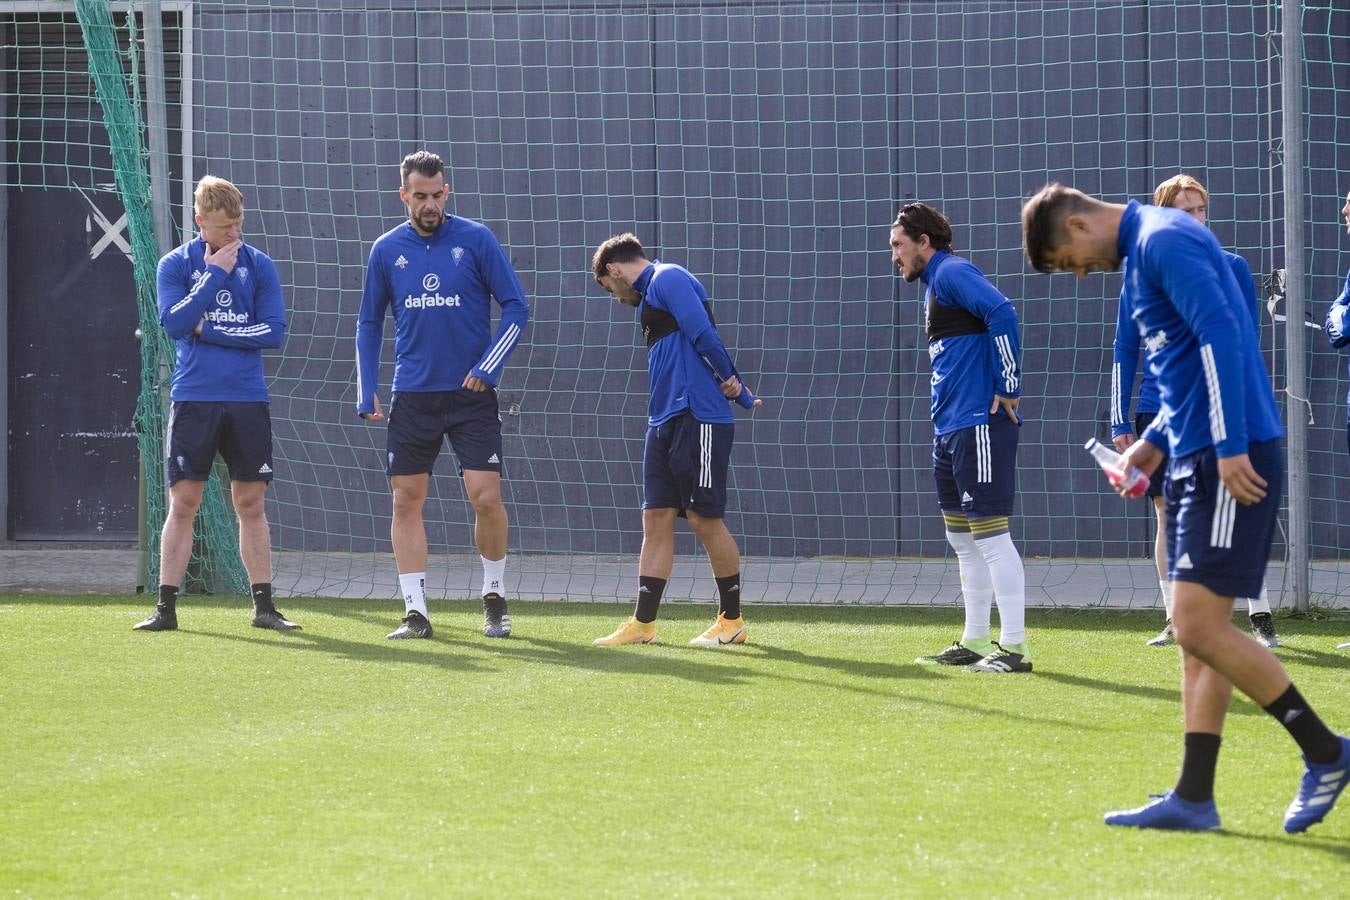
{"points": [[1135, 481]]}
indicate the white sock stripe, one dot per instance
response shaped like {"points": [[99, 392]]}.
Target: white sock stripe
{"points": [[1218, 429], [508, 340]]}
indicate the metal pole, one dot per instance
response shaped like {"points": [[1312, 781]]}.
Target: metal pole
{"points": [[1296, 376], [157, 123], [152, 24]]}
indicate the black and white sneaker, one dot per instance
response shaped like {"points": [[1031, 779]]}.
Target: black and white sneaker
{"points": [[958, 654], [1004, 660], [1165, 638], [273, 619], [164, 618], [415, 625], [1263, 627], [496, 620]]}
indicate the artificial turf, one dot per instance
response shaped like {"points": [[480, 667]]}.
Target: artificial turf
{"points": [[816, 760]]}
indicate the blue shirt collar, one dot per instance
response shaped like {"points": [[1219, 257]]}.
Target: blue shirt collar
{"points": [[646, 277], [936, 260], [1129, 228]]}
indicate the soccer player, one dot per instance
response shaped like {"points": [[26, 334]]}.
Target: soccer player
{"points": [[973, 348], [1339, 335], [1187, 194], [689, 434], [1225, 466], [440, 273], [220, 300]]}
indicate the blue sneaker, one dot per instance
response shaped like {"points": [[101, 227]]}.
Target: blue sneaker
{"points": [[1170, 812], [1318, 790]]}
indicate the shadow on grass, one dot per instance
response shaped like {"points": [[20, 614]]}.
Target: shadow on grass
{"points": [[698, 665], [1337, 848]]}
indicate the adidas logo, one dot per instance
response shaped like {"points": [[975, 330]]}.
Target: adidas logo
{"points": [[264, 469], [401, 262], [966, 498], [1185, 562], [644, 590], [494, 458], [1292, 715]]}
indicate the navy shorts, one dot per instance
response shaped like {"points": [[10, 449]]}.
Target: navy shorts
{"points": [[199, 429], [1159, 478], [684, 465], [420, 421], [976, 468], [1211, 538]]}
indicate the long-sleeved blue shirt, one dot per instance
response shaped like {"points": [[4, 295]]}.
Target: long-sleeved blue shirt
{"points": [[1200, 342], [241, 313], [1335, 325], [441, 289], [678, 375], [973, 343], [1126, 353]]}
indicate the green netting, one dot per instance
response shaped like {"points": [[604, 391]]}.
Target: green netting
{"points": [[215, 566]]}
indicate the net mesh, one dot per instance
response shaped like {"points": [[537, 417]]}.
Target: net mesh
{"points": [[764, 146]]}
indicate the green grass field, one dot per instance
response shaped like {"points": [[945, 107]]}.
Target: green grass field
{"points": [[816, 760]]}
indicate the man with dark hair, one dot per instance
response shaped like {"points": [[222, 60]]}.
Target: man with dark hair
{"points": [[973, 347], [440, 274], [690, 431], [220, 300], [1186, 193], [1222, 431]]}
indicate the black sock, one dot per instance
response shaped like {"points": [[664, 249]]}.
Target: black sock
{"points": [[1201, 756], [1314, 738], [262, 598], [649, 597], [168, 597], [729, 590]]}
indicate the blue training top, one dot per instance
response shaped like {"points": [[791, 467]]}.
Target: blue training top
{"points": [[680, 378], [1335, 323], [440, 288], [973, 343], [241, 313], [1126, 353], [1200, 343]]}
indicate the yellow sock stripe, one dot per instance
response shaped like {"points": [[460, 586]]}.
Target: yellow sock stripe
{"points": [[956, 521], [990, 527]]}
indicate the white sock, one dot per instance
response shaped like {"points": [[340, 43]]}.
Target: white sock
{"points": [[1259, 604], [494, 576], [1010, 586], [1166, 588], [977, 586], [414, 587]]}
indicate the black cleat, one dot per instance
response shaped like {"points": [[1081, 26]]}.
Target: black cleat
{"points": [[496, 620], [1003, 661], [271, 618], [415, 625], [1263, 626], [162, 619], [958, 654]]}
